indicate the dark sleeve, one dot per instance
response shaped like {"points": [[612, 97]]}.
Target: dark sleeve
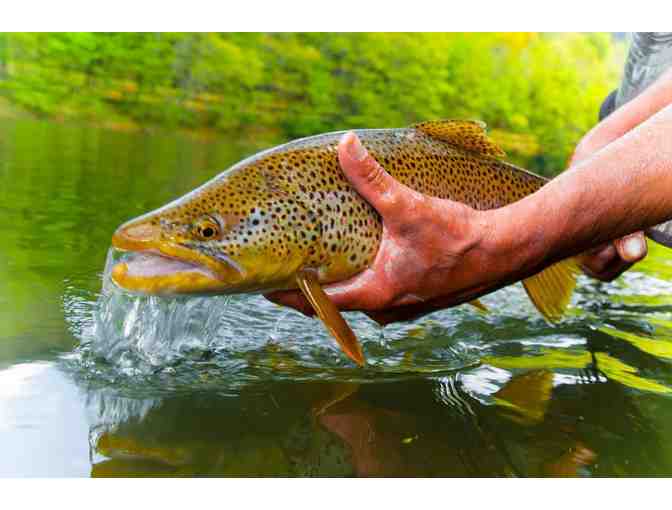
{"points": [[608, 105], [649, 56]]}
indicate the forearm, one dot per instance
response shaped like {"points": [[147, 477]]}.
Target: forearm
{"points": [[622, 188]]}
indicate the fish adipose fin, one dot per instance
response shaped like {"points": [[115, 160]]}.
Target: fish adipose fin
{"points": [[468, 135], [551, 289], [330, 315]]}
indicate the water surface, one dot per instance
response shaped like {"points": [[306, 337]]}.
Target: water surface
{"points": [[103, 384]]}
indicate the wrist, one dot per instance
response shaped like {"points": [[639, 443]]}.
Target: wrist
{"points": [[510, 249]]}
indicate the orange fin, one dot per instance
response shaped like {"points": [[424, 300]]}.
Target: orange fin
{"points": [[468, 135], [330, 315], [551, 290], [479, 306], [525, 398]]}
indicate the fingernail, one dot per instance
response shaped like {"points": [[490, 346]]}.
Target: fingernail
{"points": [[355, 148], [634, 247]]}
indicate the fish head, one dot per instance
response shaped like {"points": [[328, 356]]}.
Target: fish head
{"points": [[233, 234]]}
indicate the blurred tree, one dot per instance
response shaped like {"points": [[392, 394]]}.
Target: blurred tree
{"points": [[3, 56], [538, 92]]}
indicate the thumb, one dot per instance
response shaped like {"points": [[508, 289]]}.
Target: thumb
{"points": [[370, 179], [632, 248]]}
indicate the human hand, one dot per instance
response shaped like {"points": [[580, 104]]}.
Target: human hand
{"points": [[434, 253]]}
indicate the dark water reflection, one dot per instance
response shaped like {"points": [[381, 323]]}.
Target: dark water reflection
{"points": [[247, 388]]}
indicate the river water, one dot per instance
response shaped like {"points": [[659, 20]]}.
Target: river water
{"points": [[99, 383]]}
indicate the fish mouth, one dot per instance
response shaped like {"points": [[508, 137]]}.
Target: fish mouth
{"points": [[153, 273], [156, 267]]}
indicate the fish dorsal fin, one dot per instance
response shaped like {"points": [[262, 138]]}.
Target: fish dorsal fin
{"points": [[551, 289], [330, 315], [469, 135]]}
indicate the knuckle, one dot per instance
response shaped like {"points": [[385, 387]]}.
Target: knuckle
{"points": [[374, 174], [598, 262], [594, 265]]}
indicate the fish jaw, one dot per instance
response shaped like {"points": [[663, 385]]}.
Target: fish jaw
{"points": [[154, 274], [159, 266]]}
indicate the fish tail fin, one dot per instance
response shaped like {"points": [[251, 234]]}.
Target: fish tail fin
{"points": [[551, 289]]}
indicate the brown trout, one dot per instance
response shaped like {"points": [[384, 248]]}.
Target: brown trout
{"points": [[287, 218]]}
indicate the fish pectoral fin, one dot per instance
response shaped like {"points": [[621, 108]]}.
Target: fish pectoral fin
{"points": [[476, 303], [330, 315], [551, 289], [469, 135]]}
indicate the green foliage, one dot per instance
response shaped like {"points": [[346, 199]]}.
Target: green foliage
{"points": [[539, 93], [3, 54]]}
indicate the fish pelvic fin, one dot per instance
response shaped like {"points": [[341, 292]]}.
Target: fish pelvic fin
{"points": [[479, 306], [330, 315], [551, 289], [469, 135]]}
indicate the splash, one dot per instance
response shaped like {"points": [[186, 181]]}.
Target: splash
{"points": [[230, 341]]}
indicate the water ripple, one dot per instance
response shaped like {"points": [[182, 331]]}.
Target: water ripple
{"points": [[226, 342]]}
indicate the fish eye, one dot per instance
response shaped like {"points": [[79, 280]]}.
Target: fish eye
{"points": [[207, 229]]}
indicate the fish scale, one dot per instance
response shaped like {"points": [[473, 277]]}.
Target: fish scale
{"points": [[308, 171], [288, 218]]}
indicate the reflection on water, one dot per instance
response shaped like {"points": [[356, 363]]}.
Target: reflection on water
{"points": [[423, 428], [106, 384]]}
